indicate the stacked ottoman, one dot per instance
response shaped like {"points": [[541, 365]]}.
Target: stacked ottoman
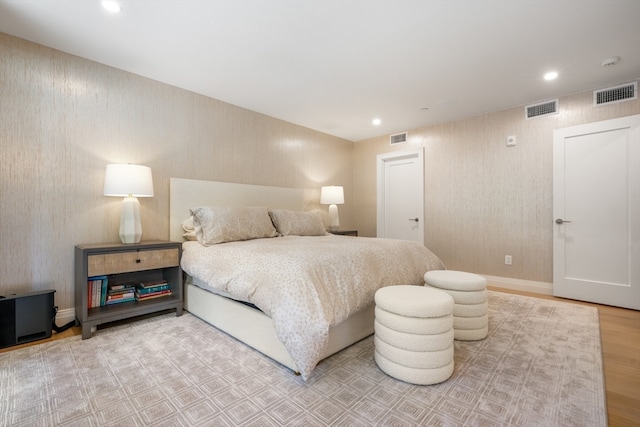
{"points": [[469, 292], [414, 333]]}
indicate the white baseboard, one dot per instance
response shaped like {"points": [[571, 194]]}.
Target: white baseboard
{"points": [[544, 288], [65, 316]]}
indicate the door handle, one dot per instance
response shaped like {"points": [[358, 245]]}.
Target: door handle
{"points": [[561, 221], [414, 219]]}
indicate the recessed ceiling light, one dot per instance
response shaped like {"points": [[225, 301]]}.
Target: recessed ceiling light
{"points": [[111, 6], [376, 122], [551, 75]]}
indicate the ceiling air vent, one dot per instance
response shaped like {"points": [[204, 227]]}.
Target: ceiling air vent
{"points": [[615, 94], [542, 109], [398, 138]]}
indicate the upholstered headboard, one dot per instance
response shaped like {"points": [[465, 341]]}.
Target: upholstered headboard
{"points": [[187, 193]]}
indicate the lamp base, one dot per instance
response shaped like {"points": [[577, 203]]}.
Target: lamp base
{"points": [[130, 225], [334, 220]]}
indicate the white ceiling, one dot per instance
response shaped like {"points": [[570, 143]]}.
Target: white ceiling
{"points": [[335, 65]]}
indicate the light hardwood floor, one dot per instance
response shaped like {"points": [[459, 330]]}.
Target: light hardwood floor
{"points": [[620, 334]]}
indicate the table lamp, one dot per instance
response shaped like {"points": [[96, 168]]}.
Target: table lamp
{"points": [[332, 195], [129, 181]]}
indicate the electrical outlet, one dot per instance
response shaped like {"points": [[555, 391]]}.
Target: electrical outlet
{"points": [[511, 140], [507, 259]]}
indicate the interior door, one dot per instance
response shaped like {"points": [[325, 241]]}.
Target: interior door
{"points": [[400, 205], [596, 204]]}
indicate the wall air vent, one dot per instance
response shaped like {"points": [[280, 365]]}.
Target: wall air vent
{"points": [[543, 109], [615, 94], [398, 138]]}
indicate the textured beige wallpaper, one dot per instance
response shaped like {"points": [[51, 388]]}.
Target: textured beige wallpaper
{"points": [[63, 118], [484, 200]]}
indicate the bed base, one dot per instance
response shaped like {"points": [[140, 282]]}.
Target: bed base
{"points": [[254, 328]]}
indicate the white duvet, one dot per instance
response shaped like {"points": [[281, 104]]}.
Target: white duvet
{"points": [[307, 284]]}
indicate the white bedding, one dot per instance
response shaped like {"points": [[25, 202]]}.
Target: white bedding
{"points": [[307, 284]]}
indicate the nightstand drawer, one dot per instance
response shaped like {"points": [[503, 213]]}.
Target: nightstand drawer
{"points": [[128, 261]]}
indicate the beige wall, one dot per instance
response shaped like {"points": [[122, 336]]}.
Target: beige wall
{"points": [[484, 200], [63, 118]]}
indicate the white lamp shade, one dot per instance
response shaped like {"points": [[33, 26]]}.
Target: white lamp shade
{"points": [[332, 195], [128, 180]]}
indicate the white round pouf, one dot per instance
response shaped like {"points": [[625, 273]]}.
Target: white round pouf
{"points": [[455, 280], [414, 325], [470, 310], [471, 334], [414, 342], [469, 292], [477, 322], [413, 301], [414, 333], [416, 359], [418, 376], [466, 297]]}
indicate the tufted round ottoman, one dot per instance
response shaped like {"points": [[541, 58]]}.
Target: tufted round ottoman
{"points": [[469, 292], [414, 333]]}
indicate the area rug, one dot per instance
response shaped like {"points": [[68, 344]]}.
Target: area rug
{"points": [[541, 365]]}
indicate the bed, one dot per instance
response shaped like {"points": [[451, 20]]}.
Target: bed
{"points": [[260, 290]]}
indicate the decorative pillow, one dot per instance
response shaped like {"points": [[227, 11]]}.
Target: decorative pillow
{"points": [[297, 223], [219, 224], [189, 229]]}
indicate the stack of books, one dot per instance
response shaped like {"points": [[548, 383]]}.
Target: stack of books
{"points": [[123, 292], [149, 290], [97, 290]]}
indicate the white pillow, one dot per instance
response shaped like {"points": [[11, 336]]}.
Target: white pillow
{"points": [[219, 224], [297, 223], [189, 229]]}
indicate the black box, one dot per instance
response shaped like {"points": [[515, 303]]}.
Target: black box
{"points": [[26, 317]]}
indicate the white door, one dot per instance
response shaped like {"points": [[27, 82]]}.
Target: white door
{"points": [[596, 208], [401, 195]]}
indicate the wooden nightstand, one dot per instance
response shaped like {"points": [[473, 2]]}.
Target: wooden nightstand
{"points": [[117, 263], [346, 232]]}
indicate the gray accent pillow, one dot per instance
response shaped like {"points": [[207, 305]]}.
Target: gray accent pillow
{"points": [[297, 223], [220, 224]]}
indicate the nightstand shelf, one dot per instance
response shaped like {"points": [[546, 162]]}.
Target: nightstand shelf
{"points": [[132, 263]]}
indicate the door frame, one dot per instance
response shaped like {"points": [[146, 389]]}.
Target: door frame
{"points": [[382, 159]]}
